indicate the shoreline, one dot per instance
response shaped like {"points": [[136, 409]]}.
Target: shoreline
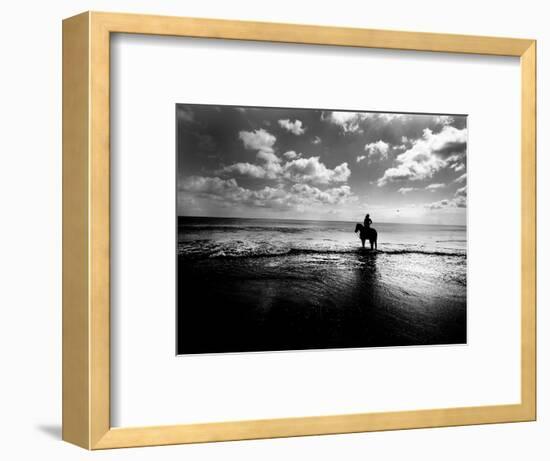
{"points": [[303, 302]]}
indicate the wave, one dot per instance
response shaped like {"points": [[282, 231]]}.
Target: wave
{"points": [[229, 228], [271, 252]]}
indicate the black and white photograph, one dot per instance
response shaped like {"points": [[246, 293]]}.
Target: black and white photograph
{"points": [[303, 228]]}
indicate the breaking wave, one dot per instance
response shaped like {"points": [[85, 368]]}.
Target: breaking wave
{"points": [[231, 250]]}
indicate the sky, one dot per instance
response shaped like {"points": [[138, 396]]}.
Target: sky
{"points": [[288, 163]]}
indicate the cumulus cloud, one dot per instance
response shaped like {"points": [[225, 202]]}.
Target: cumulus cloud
{"points": [[294, 127], [456, 162], [458, 201], [296, 169], [388, 117], [348, 121], [427, 155], [316, 140], [333, 196], [245, 169], [434, 187], [444, 119], [228, 191], [378, 149], [438, 205], [461, 178], [259, 140], [406, 190], [460, 197], [360, 157], [210, 185], [313, 171], [268, 156], [291, 155], [298, 196], [461, 192]]}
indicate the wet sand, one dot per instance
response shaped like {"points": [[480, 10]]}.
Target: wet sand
{"points": [[320, 301]]}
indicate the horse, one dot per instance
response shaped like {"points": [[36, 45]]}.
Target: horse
{"points": [[367, 233]]}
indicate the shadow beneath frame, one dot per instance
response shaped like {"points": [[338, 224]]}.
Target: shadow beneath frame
{"points": [[51, 430]]}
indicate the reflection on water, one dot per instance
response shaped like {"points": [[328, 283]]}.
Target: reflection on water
{"points": [[233, 238], [313, 288]]}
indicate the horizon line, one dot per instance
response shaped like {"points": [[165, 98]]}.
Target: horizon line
{"points": [[317, 220]]}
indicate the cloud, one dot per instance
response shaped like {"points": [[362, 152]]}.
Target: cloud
{"points": [[427, 155], [456, 162], [263, 141], [273, 169], [245, 169], [461, 178], [210, 185], [378, 149], [461, 192], [291, 155], [388, 117], [333, 196], [460, 198], [434, 187], [347, 121], [458, 201], [298, 196], [293, 127], [444, 119], [316, 140], [268, 156], [298, 169], [361, 157], [438, 205], [259, 140], [406, 190], [228, 191], [350, 122], [313, 171]]}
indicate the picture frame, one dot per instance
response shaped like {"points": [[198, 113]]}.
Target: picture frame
{"points": [[86, 230]]}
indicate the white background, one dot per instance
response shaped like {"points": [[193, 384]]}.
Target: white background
{"points": [[149, 76], [30, 244]]}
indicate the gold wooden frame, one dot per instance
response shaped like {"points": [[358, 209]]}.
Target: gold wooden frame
{"points": [[86, 393]]}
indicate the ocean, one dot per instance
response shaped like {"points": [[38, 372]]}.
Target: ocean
{"points": [[268, 285]]}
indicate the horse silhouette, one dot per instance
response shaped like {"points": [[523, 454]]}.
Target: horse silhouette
{"points": [[367, 233]]}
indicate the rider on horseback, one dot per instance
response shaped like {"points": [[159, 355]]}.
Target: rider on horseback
{"points": [[367, 222], [367, 233]]}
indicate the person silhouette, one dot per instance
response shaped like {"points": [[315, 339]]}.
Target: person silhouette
{"points": [[367, 233], [367, 222]]}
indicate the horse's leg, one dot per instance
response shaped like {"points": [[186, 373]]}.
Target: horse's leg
{"points": [[363, 242]]}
